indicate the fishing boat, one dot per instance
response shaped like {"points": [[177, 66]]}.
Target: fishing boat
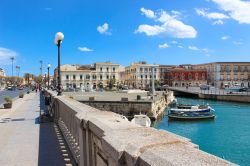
{"points": [[142, 120], [191, 112]]}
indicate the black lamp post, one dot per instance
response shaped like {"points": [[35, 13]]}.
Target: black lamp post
{"points": [[58, 40], [48, 75]]}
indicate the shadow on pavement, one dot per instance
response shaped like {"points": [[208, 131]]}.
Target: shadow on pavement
{"points": [[52, 147]]}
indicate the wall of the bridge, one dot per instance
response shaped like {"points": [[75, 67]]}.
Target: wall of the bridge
{"points": [[100, 138]]}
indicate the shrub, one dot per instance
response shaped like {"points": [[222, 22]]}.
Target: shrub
{"points": [[21, 94], [8, 99]]}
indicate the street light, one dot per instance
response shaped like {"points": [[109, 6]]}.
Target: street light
{"points": [[58, 39], [48, 75], [45, 77]]}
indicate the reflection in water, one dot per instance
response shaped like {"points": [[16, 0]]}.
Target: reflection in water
{"points": [[227, 136]]}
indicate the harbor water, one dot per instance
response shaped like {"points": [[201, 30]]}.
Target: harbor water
{"points": [[227, 136]]}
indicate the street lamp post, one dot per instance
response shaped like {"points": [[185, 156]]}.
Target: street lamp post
{"points": [[58, 39], [48, 75], [45, 77]]}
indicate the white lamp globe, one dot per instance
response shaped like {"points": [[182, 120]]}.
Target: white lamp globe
{"points": [[48, 65], [59, 36]]}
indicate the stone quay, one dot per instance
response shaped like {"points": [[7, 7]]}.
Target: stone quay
{"points": [[126, 103]]}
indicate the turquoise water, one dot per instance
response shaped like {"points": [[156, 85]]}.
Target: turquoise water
{"points": [[227, 136]]}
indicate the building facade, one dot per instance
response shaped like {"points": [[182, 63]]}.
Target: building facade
{"points": [[88, 76], [182, 76], [224, 74], [2, 79], [139, 75], [163, 69]]}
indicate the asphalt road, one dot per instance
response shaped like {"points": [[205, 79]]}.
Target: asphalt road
{"points": [[10, 93]]}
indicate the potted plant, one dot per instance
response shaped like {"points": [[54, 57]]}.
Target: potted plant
{"points": [[8, 102], [21, 94]]}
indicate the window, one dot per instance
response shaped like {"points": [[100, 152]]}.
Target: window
{"points": [[141, 76], [107, 69], [141, 69], [154, 76], [150, 76], [235, 77], [87, 77], [189, 76], [100, 77], [93, 77], [113, 76], [228, 69], [74, 77], [146, 76], [221, 77], [67, 77], [107, 77], [80, 77], [100, 68]]}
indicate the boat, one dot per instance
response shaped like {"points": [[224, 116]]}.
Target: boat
{"points": [[191, 112], [142, 120], [234, 89]]}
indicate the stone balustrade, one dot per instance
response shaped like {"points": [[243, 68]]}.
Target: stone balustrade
{"points": [[101, 138]]}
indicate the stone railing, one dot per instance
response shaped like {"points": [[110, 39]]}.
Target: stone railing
{"points": [[101, 138]]}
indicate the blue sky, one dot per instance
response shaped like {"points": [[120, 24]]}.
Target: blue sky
{"points": [[156, 31]]}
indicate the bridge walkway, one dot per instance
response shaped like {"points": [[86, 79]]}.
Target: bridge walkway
{"points": [[24, 141]]}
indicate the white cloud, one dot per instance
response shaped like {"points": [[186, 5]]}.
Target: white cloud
{"points": [[104, 29], [237, 9], [225, 37], [165, 45], [218, 22], [148, 13], [168, 25], [174, 42], [193, 48], [6, 54], [212, 15], [85, 49], [180, 47]]}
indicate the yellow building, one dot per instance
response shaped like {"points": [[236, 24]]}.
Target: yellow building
{"points": [[139, 75], [223, 74]]}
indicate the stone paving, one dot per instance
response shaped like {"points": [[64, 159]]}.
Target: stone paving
{"points": [[26, 142]]}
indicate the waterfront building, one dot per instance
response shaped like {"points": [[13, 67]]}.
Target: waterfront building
{"points": [[139, 75], [89, 76], [2, 79], [163, 69], [2, 72], [185, 75], [224, 74]]}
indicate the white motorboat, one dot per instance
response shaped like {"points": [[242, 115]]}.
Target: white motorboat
{"points": [[142, 120]]}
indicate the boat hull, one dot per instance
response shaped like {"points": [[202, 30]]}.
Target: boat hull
{"points": [[176, 117]]}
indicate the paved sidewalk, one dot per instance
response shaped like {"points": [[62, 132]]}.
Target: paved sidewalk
{"points": [[25, 142]]}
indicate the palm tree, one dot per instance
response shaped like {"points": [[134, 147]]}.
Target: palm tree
{"points": [[12, 60]]}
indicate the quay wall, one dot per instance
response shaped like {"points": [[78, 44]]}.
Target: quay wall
{"points": [[103, 138], [153, 108], [232, 98]]}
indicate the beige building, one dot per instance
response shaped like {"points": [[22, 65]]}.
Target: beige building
{"points": [[139, 75], [2, 79], [223, 74], [89, 76]]}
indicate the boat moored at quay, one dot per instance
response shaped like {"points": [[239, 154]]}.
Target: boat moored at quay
{"points": [[191, 112]]}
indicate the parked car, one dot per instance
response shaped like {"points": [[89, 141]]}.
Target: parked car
{"points": [[204, 87], [11, 88]]}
